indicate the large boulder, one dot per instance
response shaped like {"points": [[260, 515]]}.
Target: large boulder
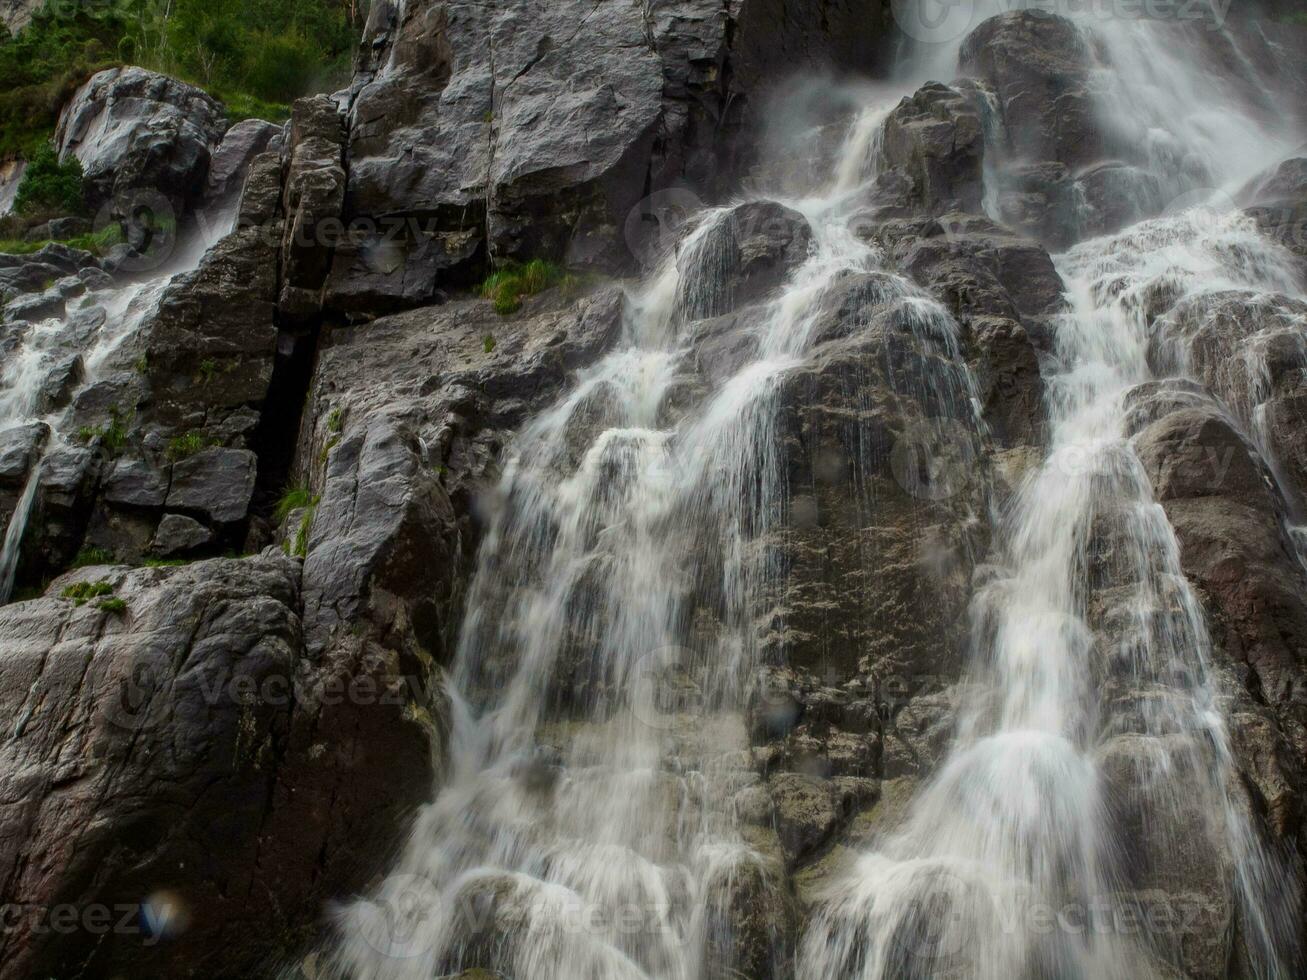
{"points": [[230, 161], [137, 133], [1061, 173], [934, 138]]}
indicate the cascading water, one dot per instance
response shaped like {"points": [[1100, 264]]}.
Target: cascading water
{"points": [[1007, 865], [583, 827], [94, 327]]}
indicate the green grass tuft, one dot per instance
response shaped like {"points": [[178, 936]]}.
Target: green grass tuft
{"points": [[83, 592], [92, 556], [506, 286], [186, 445], [112, 436], [113, 605], [292, 500]]}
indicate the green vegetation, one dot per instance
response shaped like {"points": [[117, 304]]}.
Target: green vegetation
{"points": [[292, 500], [113, 605], [207, 372], [92, 556], [298, 498], [489, 344], [83, 592], [336, 420], [114, 435], [164, 562], [327, 447], [255, 55], [44, 65], [49, 186], [506, 286], [186, 445], [97, 242]]}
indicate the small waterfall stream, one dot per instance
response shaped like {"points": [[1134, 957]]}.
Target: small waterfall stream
{"points": [[583, 828], [94, 327]]}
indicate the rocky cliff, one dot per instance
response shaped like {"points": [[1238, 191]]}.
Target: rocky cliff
{"points": [[219, 715]]}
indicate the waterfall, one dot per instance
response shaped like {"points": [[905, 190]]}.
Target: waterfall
{"points": [[93, 328], [1012, 832], [583, 827]]}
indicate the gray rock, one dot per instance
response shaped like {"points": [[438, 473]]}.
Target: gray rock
{"points": [[313, 199], [215, 482], [135, 483], [934, 138], [231, 158], [806, 812], [137, 131], [42, 306], [96, 278], [17, 14], [20, 449], [179, 535], [1062, 176]]}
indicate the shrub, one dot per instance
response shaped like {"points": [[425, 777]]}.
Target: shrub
{"points": [[83, 592], [113, 605], [186, 445], [92, 556], [507, 285], [49, 185]]}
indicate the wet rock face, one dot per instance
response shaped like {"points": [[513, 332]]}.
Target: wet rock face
{"points": [[137, 131], [745, 256], [480, 130], [1227, 514], [1062, 175], [164, 778], [934, 137]]}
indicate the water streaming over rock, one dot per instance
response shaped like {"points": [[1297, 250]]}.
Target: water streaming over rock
{"points": [[584, 825], [585, 829], [79, 344], [1091, 704]]}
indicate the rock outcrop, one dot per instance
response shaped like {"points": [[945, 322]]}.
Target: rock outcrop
{"points": [[137, 132]]}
